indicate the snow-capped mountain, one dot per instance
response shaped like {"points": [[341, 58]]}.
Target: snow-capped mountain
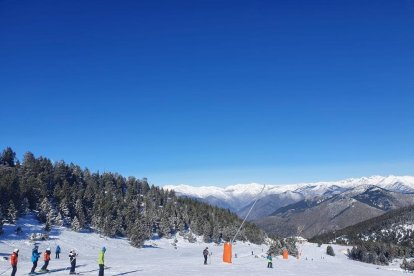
{"points": [[239, 197]]}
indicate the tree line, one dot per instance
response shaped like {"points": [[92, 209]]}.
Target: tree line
{"points": [[66, 195]]}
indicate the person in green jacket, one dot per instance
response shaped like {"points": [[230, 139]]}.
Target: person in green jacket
{"points": [[269, 261], [101, 261]]}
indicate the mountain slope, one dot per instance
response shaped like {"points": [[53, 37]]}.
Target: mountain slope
{"points": [[313, 217], [396, 226]]}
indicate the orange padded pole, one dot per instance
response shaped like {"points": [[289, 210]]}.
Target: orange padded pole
{"points": [[227, 253]]}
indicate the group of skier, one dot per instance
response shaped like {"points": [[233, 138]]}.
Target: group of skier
{"points": [[46, 258]]}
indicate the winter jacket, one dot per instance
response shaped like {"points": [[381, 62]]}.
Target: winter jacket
{"points": [[72, 256], [101, 257], [13, 258], [58, 249], [269, 258], [205, 252], [46, 256], [35, 255]]}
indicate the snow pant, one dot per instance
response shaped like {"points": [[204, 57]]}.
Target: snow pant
{"points": [[205, 259], [57, 255], [33, 267], [269, 265], [14, 269], [44, 267], [72, 266], [101, 270]]}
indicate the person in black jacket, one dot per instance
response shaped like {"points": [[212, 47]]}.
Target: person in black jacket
{"points": [[72, 258], [205, 254]]}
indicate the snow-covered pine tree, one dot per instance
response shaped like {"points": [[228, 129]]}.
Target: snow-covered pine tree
{"points": [[65, 212], [216, 235], [12, 212], [80, 212], [45, 209], [407, 265], [140, 231], [164, 228], [59, 219], [24, 206], [76, 225], [207, 232]]}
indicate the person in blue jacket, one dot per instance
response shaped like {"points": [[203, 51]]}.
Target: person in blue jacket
{"points": [[57, 251], [35, 257]]}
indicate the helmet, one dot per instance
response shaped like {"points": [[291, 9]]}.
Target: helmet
{"points": [[48, 249], [103, 248], [16, 250]]}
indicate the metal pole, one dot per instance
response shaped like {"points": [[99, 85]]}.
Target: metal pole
{"points": [[251, 208]]}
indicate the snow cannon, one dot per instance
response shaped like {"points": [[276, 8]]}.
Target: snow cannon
{"points": [[227, 253]]}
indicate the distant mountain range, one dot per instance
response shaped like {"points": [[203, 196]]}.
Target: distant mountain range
{"points": [[309, 209]]}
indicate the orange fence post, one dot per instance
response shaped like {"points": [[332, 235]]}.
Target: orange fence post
{"points": [[227, 253]]}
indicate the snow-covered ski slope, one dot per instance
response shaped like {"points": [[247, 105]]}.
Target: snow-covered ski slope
{"points": [[159, 257]]}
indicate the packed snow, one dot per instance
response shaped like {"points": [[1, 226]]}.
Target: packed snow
{"points": [[159, 257]]}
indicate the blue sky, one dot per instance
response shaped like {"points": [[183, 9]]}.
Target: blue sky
{"points": [[211, 92]]}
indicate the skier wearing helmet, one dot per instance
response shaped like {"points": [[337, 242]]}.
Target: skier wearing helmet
{"points": [[13, 261], [46, 258]]}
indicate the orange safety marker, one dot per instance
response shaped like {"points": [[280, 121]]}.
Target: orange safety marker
{"points": [[285, 254], [227, 253]]}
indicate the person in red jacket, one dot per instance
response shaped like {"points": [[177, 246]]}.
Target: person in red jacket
{"points": [[13, 261], [46, 258]]}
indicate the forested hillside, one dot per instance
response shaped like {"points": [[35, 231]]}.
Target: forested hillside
{"points": [[378, 240], [108, 203]]}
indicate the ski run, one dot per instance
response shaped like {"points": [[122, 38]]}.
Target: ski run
{"points": [[161, 257]]}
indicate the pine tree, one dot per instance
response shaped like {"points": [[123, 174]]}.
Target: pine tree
{"points": [[207, 232], [59, 219], [12, 212], [24, 206], [8, 157], [76, 225], [45, 208], [65, 212], [79, 212], [140, 232], [164, 228], [1, 221]]}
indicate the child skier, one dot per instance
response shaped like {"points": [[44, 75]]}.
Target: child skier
{"points": [[46, 258], [72, 258], [35, 257], [13, 261], [269, 261]]}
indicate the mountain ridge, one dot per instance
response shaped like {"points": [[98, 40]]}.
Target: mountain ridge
{"points": [[240, 196]]}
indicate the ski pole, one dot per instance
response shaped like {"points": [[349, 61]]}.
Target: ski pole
{"points": [[5, 271]]}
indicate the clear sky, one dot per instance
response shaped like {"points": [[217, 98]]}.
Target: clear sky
{"points": [[211, 92]]}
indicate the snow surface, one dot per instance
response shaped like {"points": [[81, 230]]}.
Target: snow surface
{"points": [[159, 257], [240, 195]]}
